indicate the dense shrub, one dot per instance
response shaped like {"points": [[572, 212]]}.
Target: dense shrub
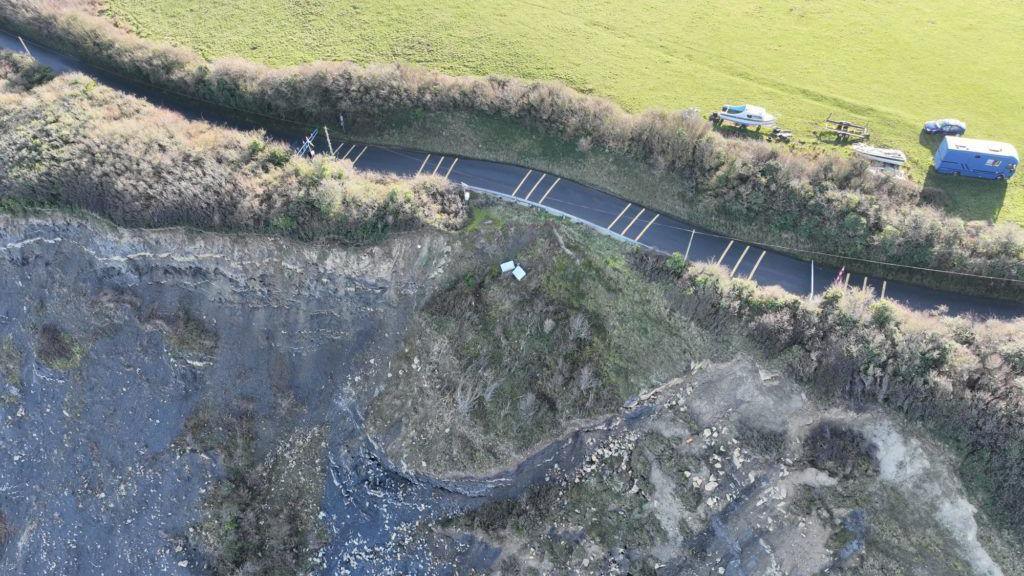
{"points": [[840, 450], [72, 142], [823, 203], [964, 379], [19, 72], [261, 517]]}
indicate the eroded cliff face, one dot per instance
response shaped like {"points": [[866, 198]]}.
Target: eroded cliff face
{"points": [[190, 403], [125, 352]]}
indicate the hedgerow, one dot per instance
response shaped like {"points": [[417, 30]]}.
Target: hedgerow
{"points": [[69, 141], [763, 191]]}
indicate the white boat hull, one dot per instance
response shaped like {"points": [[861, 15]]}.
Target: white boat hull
{"points": [[744, 121], [882, 155]]}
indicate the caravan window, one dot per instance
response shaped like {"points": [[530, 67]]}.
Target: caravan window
{"points": [[993, 162]]}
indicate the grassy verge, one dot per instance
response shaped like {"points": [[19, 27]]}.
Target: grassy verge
{"points": [[823, 202], [504, 140], [662, 54]]}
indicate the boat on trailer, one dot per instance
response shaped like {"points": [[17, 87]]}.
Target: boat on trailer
{"points": [[887, 156], [743, 115]]}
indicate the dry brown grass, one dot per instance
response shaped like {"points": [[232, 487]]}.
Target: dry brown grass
{"points": [[73, 142], [825, 203]]}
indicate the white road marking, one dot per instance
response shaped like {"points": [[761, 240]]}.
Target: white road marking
{"points": [[345, 157], [619, 216], [737, 264], [361, 152], [846, 281], [535, 184], [864, 286], [688, 244], [521, 182], [423, 164], [550, 188], [812, 277], [438, 167], [644, 231], [450, 168], [724, 252], [756, 264], [884, 283], [633, 221]]}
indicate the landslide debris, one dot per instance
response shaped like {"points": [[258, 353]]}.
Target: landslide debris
{"points": [[492, 367], [239, 403]]}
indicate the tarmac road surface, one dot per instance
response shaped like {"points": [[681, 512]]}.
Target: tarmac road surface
{"points": [[599, 209]]}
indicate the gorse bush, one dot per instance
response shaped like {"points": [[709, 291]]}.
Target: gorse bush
{"points": [[19, 72], [964, 379], [761, 191], [72, 142]]}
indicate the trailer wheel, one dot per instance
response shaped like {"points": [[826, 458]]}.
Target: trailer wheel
{"points": [[1000, 177], [956, 172]]}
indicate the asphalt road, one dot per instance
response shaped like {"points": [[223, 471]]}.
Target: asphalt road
{"points": [[601, 210]]}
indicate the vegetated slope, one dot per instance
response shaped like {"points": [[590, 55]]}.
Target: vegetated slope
{"points": [[492, 367], [891, 65], [72, 142], [484, 354], [742, 187], [191, 402], [211, 389]]}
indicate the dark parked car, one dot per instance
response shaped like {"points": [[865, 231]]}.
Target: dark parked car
{"points": [[947, 126]]}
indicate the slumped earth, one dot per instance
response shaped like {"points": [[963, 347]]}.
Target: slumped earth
{"points": [[188, 403]]}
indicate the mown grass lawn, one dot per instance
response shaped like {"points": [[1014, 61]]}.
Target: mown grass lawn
{"points": [[891, 64]]}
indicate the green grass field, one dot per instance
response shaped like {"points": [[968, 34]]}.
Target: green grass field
{"points": [[891, 64]]}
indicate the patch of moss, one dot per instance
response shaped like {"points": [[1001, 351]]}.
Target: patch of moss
{"points": [[190, 334], [766, 442], [481, 217], [57, 349], [4, 531], [17, 206], [10, 371], [674, 463]]}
